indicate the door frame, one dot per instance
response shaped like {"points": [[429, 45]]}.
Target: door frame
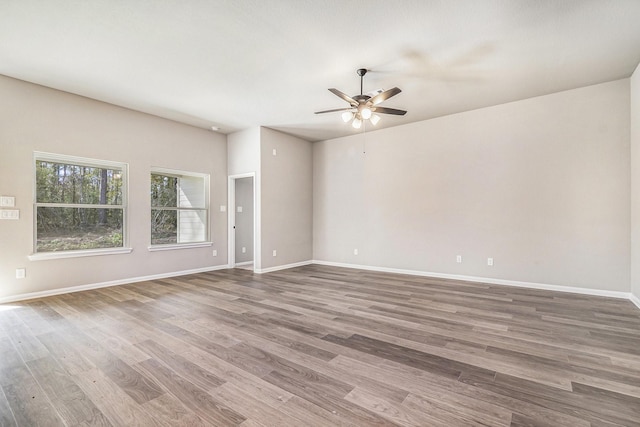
{"points": [[231, 221]]}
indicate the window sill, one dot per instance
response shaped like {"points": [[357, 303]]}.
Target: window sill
{"points": [[42, 256], [171, 247]]}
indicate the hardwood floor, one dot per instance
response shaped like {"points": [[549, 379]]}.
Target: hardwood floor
{"points": [[318, 346]]}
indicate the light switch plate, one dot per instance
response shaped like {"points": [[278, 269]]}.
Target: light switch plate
{"points": [[7, 201], [9, 214]]}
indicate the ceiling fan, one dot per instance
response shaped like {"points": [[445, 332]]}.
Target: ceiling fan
{"points": [[363, 106]]}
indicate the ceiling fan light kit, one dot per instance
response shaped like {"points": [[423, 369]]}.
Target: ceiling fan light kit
{"points": [[362, 107]]}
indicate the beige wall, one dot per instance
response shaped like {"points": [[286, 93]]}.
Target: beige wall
{"points": [[540, 185], [635, 183], [283, 193], [286, 199], [34, 118]]}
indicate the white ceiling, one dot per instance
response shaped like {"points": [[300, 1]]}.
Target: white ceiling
{"points": [[244, 63]]}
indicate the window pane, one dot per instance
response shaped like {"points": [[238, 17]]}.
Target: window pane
{"points": [[68, 229], [164, 191], [178, 226], [193, 226], [164, 227], [68, 183], [191, 192]]}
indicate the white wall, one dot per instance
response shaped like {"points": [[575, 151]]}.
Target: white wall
{"points": [[286, 199], [635, 183], [541, 185], [243, 152], [34, 118]]}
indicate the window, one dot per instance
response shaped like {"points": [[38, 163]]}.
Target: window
{"points": [[179, 208], [80, 204]]}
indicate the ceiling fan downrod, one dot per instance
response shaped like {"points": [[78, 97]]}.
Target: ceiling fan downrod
{"points": [[361, 72]]}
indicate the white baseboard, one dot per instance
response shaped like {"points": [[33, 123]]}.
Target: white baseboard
{"points": [[240, 264], [634, 299], [586, 291], [68, 290], [282, 267], [532, 285]]}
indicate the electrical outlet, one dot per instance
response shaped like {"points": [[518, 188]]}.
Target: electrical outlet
{"points": [[275, 153], [239, 209], [244, 250], [9, 214], [274, 252], [223, 208], [21, 273], [489, 261], [215, 252], [355, 252], [459, 259], [7, 201]]}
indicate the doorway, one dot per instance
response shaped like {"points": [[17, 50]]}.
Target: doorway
{"points": [[242, 236]]}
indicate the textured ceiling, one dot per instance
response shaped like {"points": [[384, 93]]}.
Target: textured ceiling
{"points": [[244, 63]]}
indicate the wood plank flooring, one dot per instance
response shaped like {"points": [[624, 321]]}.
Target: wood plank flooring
{"points": [[319, 346]]}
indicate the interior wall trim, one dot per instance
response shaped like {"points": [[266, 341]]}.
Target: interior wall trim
{"points": [[282, 267], [532, 285], [634, 299], [241, 264], [70, 289]]}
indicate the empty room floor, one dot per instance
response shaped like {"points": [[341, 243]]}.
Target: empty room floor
{"points": [[317, 346]]}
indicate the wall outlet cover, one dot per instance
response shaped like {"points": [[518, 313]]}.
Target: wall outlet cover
{"points": [[9, 214], [7, 201]]}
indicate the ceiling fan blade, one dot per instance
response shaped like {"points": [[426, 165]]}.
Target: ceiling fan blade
{"points": [[343, 96], [334, 110], [384, 95], [386, 110]]}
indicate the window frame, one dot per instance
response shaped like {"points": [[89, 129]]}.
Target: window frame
{"points": [[175, 173], [89, 162]]}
